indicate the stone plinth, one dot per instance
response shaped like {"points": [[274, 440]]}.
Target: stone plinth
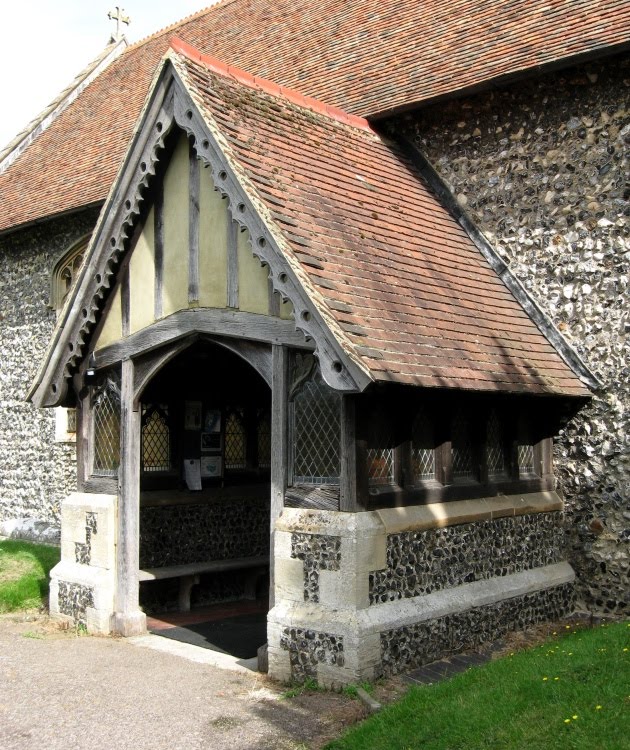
{"points": [[82, 585], [362, 595]]}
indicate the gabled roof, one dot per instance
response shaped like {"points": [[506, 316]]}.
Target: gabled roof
{"points": [[339, 214], [48, 115], [368, 57]]}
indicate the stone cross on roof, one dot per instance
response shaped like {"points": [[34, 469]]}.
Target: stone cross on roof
{"points": [[119, 16]]}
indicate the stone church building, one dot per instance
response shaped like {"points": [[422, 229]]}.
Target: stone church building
{"points": [[356, 312]]}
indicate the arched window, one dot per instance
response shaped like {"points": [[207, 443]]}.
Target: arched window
{"points": [[65, 273], [156, 438]]}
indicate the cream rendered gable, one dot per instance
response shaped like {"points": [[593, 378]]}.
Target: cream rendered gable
{"points": [[214, 230]]}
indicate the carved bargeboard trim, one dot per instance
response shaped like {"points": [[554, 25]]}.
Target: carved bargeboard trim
{"points": [[170, 104]]}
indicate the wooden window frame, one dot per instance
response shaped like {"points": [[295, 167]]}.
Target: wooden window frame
{"points": [[406, 490]]}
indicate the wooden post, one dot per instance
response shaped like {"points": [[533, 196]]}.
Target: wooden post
{"points": [[128, 619], [279, 447], [354, 487]]}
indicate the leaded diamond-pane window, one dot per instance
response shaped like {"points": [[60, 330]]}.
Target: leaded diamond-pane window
{"points": [[264, 439], [380, 452], [525, 460], [495, 454], [380, 462], [422, 448], [156, 438], [106, 411], [316, 429], [235, 440], [461, 448]]}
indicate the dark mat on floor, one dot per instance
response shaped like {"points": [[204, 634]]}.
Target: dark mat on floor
{"points": [[238, 636]]}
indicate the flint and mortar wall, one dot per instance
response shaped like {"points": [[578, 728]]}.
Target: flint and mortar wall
{"points": [[366, 594], [36, 473], [541, 168]]}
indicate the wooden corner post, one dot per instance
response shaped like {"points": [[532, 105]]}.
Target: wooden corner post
{"points": [[279, 447], [128, 618]]}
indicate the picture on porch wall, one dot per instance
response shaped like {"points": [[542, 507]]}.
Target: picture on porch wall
{"points": [[211, 467], [212, 422], [192, 415], [211, 441]]}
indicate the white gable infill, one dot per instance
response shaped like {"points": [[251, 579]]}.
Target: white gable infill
{"points": [[169, 104]]}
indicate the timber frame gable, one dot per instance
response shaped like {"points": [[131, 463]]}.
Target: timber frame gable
{"points": [[170, 105]]}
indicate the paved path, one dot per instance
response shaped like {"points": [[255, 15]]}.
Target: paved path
{"points": [[62, 691]]}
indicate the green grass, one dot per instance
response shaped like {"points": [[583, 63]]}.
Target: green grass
{"points": [[24, 569], [572, 693]]}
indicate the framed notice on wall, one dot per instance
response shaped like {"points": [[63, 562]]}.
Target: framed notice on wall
{"points": [[212, 421], [211, 467], [192, 415]]}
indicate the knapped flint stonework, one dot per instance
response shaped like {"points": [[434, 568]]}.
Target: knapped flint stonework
{"points": [[318, 552], [74, 599], [414, 645], [308, 648], [35, 473], [219, 530], [419, 562], [541, 168]]}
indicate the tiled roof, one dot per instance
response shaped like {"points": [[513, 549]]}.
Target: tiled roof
{"points": [[365, 56], [413, 298]]}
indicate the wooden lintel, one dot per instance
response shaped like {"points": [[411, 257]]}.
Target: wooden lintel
{"points": [[228, 323]]}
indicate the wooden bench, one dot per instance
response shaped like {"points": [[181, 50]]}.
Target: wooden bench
{"points": [[189, 575]]}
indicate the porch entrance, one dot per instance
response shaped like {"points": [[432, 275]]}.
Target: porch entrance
{"points": [[205, 500]]}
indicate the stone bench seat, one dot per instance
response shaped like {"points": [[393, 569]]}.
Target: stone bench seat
{"points": [[189, 574]]}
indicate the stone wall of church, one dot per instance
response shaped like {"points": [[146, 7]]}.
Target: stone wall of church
{"points": [[36, 473], [541, 168]]}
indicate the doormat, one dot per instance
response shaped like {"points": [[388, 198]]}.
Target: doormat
{"points": [[239, 636]]}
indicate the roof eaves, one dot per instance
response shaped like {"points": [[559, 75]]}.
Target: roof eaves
{"points": [[50, 113], [546, 326]]}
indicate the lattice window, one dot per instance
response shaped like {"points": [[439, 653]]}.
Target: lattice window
{"points": [[156, 438], [495, 447], [422, 448], [235, 440], [380, 452], [264, 438], [461, 447], [316, 430], [106, 433], [526, 460]]}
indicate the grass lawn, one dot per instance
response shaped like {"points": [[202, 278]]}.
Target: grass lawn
{"points": [[24, 569], [573, 692]]}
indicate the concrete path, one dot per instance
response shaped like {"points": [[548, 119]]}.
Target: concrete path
{"points": [[60, 690]]}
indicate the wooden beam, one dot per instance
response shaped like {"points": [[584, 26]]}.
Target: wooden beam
{"points": [[279, 447], [125, 301], [128, 618], [219, 322], [158, 239], [232, 264], [193, 225]]}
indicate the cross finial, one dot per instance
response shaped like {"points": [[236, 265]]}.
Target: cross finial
{"points": [[119, 16]]}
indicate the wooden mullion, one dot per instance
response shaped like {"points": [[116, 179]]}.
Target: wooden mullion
{"points": [[444, 462]]}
